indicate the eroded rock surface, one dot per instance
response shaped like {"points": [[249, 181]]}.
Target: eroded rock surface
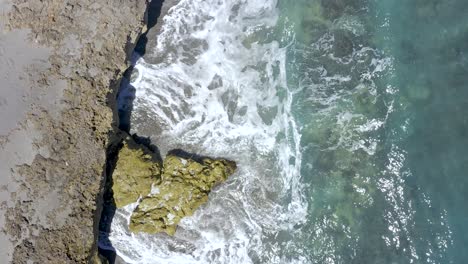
{"points": [[168, 194], [67, 58], [185, 185], [137, 169]]}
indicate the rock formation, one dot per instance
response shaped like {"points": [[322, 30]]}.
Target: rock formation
{"points": [[61, 63], [169, 194], [136, 171]]}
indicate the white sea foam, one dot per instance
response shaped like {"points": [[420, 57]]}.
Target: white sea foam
{"points": [[215, 95]]}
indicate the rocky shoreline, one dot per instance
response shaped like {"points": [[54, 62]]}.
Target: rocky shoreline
{"points": [[166, 190], [66, 60], [160, 191]]}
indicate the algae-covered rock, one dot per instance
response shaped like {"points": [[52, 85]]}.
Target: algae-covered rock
{"points": [[202, 175], [137, 169], [185, 186], [170, 193]]}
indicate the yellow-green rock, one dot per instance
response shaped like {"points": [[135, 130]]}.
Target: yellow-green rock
{"points": [[136, 171], [185, 185]]}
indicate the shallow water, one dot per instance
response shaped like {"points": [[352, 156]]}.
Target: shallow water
{"points": [[346, 119]]}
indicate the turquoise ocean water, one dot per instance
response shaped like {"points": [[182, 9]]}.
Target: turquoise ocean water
{"points": [[384, 142], [347, 119]]}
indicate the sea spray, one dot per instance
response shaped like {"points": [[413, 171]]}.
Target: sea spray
{"points": [[327, 109], [220, 89]]}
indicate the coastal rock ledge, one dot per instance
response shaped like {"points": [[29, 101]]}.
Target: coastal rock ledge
{"points": [[61, 62], [166, 191]]}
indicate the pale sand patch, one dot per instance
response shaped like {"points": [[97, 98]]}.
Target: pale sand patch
{"points": [[21, 64]]}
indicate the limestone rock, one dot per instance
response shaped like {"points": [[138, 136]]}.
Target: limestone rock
{"points": [[185, 185], [62, 61], [137, 169]]}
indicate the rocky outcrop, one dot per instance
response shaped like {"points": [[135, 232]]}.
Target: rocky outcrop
{"points": [[52, 215], [137, 169], [169, 194]]}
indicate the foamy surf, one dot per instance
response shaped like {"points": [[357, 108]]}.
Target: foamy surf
{"points": [[218, 91], [309, 98]]}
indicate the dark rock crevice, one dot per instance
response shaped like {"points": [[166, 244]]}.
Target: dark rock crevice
{"points": [[121, 126], [215, 170], [126, 92]]}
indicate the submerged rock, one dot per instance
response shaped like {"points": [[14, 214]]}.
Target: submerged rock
{"points": [[137, 169], [185, 185]]}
